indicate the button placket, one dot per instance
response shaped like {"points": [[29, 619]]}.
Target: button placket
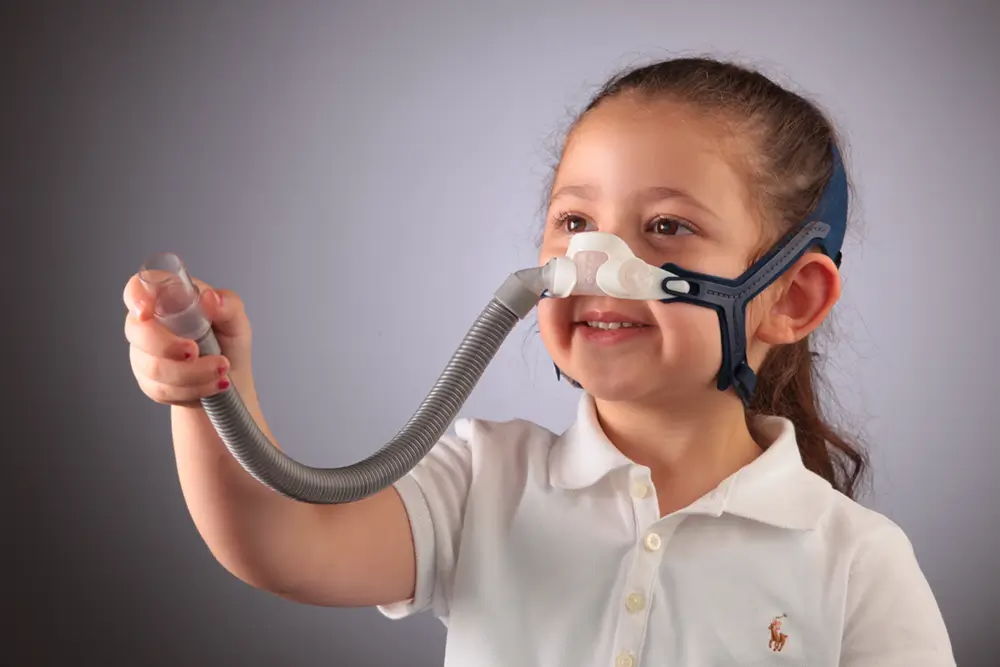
{"points": [[645, 506], [649, 553], [630, 634], [633, 617]]}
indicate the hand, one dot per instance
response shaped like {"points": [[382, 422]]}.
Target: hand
{"points": [[166, 366]]}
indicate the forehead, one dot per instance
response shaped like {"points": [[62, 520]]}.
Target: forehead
{"points": [[626, 145]]}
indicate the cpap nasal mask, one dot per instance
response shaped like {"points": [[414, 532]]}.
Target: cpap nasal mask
{"points": [[600, 263], [596, 263]]}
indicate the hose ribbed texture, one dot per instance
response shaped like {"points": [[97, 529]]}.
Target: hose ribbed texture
{"points": [[276, 470]]}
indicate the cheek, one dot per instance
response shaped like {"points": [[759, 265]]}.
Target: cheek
{"points": [[553, 325], [551, 248], [755, 312], [691, 334]]}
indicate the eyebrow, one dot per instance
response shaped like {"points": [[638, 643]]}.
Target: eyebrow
{"points": [[658, 192]]}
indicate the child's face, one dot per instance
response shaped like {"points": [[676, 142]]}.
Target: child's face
{"points": [[655, 175]]}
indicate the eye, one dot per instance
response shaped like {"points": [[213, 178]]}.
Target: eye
{"points": [[670, 227], [571, 222]]}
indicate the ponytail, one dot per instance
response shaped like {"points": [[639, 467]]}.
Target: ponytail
{"points": [[787, 387]]}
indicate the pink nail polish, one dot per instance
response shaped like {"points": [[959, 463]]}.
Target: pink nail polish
{"points": [[223, 384], [221, 370]]}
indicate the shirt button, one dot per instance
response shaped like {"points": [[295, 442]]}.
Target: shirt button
{"points": [[653, 542], [625, 659], [640, 490], [635, 602]]}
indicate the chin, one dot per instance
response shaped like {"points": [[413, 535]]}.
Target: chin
{"points": [[610, 391], [623, 381], [644, 382]]}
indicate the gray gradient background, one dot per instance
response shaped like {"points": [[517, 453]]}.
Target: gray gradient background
{"points": [[365, 177]]}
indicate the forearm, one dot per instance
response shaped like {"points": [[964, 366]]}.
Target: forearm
{"points": [[247, 526]]}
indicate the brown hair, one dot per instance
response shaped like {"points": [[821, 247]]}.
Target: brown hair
{"points": [[788, 166]]}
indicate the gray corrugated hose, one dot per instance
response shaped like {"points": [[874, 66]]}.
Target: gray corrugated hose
{"points": [[165, 276]]}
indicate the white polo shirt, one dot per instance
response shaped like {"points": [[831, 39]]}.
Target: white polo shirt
{"points": [[548, 551]]}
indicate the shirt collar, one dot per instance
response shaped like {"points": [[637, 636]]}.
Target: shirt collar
{"points": [[776, 488]]}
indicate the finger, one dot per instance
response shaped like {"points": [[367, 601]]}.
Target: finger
{"points": [[208, 299], [137, 299], [225, 309], [194, 372], [171, 395], [155, 339]]}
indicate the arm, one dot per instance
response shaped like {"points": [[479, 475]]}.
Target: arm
{"points": [[357, 554], [892, 618]]}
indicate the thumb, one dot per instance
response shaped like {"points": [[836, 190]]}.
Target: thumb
{"points": [[225, 309]]}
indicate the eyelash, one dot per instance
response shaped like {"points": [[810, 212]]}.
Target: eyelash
{"points": [[563, 218]]}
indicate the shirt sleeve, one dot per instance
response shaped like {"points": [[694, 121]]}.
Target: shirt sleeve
{"points": [[434, 494], [892, 617]]}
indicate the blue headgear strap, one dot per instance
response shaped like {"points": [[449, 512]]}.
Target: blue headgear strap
{"points": [[825, 227]]}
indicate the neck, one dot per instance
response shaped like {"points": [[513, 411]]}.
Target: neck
{"points": [[690, 446]]}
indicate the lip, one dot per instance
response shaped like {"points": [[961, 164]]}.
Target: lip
{"points": [[609, 316], [640, 330]]}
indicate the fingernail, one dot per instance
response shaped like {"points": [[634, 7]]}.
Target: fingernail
{"points": [[223, 384], [221, 370], [219, 298]]}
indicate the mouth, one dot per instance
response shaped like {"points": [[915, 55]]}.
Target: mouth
{"points": [[611, 327], [610, 321]]}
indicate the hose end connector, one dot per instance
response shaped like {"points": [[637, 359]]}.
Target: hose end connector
{"points": [[175, 296]]}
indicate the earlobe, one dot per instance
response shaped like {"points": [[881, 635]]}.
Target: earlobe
{"points": [[809, 291]]}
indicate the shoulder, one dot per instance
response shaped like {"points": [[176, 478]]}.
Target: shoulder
{"points": [[848, 527], [496, 440], [888, 598], [868, 536], [504, 457], [480, 431], [855, 539], [879, 552], [890, 611], [481, 454]]}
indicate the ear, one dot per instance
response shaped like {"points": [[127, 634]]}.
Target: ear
{"points": [[808, 292]]}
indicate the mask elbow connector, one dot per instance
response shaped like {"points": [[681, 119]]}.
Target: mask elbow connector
{"points": [[522, 290]]}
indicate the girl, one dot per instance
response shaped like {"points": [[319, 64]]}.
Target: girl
{"points": [[681, 520]]}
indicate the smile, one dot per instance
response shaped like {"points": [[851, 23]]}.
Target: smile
{"points": [[602, 328], [611, 326]]}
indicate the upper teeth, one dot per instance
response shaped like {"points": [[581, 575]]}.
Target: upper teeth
{"points": [[611, 325]]}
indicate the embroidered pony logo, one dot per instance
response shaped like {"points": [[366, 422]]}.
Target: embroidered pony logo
{"points": [[778, 638]]}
